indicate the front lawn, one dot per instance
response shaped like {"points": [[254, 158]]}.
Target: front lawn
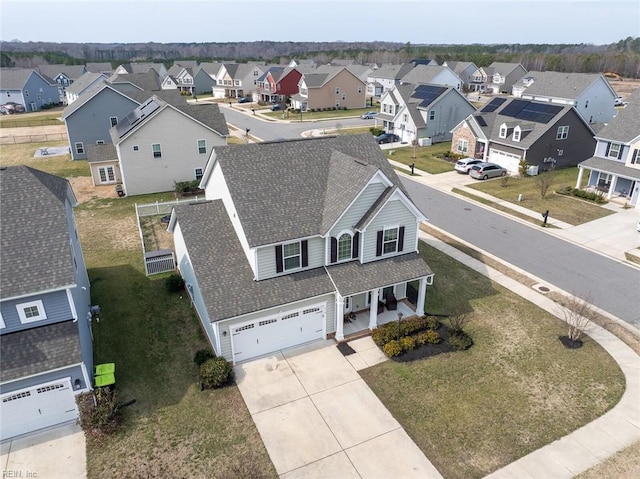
{"points": [[428, 158], [564, 208], [317, 115], [514, 391]]}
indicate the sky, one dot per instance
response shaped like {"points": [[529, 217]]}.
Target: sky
{"points": [[418, 21]]}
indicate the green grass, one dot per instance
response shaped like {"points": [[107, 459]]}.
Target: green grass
{"points": [[514, 391], [317, 115], [22, 154], [428, 158], [567, 209]]}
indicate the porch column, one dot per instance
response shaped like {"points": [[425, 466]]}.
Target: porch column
{"points": [[612, 186], [373, 309], [339, 317], [422, 291], [579, 180]]}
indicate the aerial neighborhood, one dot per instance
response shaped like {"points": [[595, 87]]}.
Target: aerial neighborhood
{"points": [[311, 237]]}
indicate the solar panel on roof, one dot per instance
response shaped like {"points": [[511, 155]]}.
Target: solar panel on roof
{"points": [[493, 104], [529, 111], [481, 121], [427, 93], [513, 108]]}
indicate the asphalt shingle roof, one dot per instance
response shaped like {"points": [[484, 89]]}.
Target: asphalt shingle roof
{"points": [[625, 126], [83, 82], [559, 84], [423, 74], [614, 167], [73, 72], [208, 114], [149, 81], [14, 78], [355, 277], [280, 189], [96, 153], [214, 249], [32, 351], [34, 236]]}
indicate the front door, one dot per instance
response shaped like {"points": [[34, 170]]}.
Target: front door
{"points": [[348, 305]]}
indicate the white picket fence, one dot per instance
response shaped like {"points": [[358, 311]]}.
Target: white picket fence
{"points": [[164, 207]]}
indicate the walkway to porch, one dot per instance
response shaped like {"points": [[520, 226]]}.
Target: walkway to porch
{"points": [[362, 317]]}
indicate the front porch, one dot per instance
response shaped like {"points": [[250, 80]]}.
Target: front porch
{"points": [[361, 321]]}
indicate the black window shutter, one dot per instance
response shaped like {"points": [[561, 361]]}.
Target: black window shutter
{"points": [[305, 254], [620, 152], [355, 247], [334, 250], [379, 244], [279, 265], [401, 238], [606, 153]]}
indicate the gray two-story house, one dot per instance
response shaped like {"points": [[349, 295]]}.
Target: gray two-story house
{"points": [[27, 87], [45, 304], [302, 240]]}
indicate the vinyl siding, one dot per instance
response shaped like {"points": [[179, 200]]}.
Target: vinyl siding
{"points": [[266, 264], [394, 213], [330, 318], [359, 207], [177, 135], [56, 306], [91, 122], [358, 302], [75, 372]]}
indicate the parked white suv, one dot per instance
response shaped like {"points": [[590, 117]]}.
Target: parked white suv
{"points": [[463, 165]]}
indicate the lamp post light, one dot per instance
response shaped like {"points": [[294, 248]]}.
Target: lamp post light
{"points": [[399, 320]]}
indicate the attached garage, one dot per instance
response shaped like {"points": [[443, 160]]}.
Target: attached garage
{"points": [[272, 333], [506, 160], [36, 408]]}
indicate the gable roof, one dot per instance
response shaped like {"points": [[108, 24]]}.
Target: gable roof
{"points": [[392, 72], [84, 81], [625, 126], [560, 84], [214, 247], [33, 207], [298, 188], [211, 68], [72, 72], [142, 67], [16, 78], [502, 68], [425, 74], [149, 80], [99, 67]]}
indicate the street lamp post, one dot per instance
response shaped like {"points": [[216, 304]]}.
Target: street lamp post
{"points": [[246, 139], [399, 320]]}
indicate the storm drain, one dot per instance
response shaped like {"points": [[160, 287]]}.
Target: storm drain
{"points": [[541, 288]]}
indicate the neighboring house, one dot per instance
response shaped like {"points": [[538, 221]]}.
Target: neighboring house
{"points": [[589, 93], [63, 75], [204, 77], [149, 81], [435, 75], [89, 118], [27, 87], [277, 258], [236, 80], [45, 304], [100, 67], [305, 62], [502, 76], [85, 83], [423, 61], [181, 78], [268, 85], [127, 68], [386, 77], [508, 130], [473, 77], [336, 88], [159, 144], [614, 167], [425, 113]]}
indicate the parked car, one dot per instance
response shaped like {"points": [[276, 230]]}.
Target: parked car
{"points": [[244, 99], [11, 107], [387, 138], [463, 165], [484, 171], [618, 101], [275, 107], [369, 115]]}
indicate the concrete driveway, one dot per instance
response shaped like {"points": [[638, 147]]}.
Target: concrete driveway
{"points": [[318, 418], [56, 452]]}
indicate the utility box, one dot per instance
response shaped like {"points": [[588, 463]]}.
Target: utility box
{"points": [[532, 170], [425, 141]]}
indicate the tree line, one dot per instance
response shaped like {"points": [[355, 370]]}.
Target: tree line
{"points": [[622, 57]]}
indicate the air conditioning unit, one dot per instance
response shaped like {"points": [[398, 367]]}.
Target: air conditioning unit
{"points": [[425, 141]]}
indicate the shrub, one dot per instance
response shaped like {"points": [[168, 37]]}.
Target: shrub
{"points": [[187, 186], [215, 372], [460, 341], [429, 336], [385, 333], [202, 355], [174, 283], [432, 322], [595, 196], [98, 411], [408, 343], [392, 349]]}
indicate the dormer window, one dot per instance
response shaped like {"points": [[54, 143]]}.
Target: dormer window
{"points": [[516, 133], [292, 256], [503, 131], [344, 247], [614, 150], [31, 311]]}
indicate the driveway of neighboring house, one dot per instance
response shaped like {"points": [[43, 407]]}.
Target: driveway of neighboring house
{"points": [[318, 418], [55, 452]]}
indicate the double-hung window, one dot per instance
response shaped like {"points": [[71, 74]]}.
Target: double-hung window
{"points": [[291, 255], [202, 146], [157, 151], [563, 133], [390, 241]]}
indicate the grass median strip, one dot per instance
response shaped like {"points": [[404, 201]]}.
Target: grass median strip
{"points": [[514, 391]]}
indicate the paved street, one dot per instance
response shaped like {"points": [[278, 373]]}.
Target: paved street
{"points": [[614, 286]]}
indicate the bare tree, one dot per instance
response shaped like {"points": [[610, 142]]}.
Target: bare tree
{"points": [[544, 181], [459, 318], [578, 313]]}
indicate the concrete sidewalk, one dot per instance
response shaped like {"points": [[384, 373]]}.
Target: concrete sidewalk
{"points": [[592, 443]]}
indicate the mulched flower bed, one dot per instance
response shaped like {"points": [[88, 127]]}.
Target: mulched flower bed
{"points": [[569, 343], [427, 350]]}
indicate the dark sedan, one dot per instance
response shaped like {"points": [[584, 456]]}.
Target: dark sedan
{"points": [[387, 138]]}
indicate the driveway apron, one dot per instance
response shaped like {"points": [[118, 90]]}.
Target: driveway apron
{"points": [[318, 418]]}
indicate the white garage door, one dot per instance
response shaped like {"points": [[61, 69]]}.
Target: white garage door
{"points": [[271, 333], [38, 407], [506, 160]]}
